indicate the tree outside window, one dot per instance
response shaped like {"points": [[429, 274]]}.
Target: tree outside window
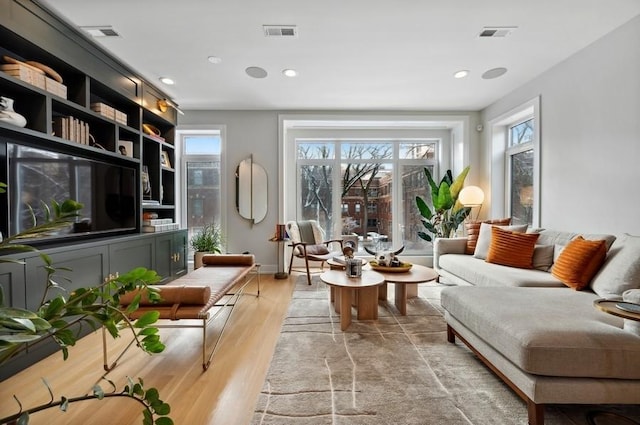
{"points": [[364, 174]]}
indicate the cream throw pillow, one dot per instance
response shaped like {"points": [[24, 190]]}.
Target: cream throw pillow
{"points": [[543, 257], [621, 270], [484, 238]]}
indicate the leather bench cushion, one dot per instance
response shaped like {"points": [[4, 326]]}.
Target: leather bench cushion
{"points": [[228, 259], [480, 273], [172, 294], [547, 331]]}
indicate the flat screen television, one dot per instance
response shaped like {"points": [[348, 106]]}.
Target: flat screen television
{"points": [[107, 191]]}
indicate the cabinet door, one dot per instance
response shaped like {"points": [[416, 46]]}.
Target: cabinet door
{"points": [[75, 268], [180, 262], [86, 267], [12, 282], [127, 255], [164, 256]]}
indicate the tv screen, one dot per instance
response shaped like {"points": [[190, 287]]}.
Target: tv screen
{"points": [[108, 191]]}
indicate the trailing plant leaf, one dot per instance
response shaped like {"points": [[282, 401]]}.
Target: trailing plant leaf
{"points": [[58, 313]]}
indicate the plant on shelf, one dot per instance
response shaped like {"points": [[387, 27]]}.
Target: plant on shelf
{"points": [[208, 240], [447, 213], [61, 315]]}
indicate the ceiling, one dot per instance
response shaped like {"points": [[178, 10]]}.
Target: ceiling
{"points": [[350, 54]]}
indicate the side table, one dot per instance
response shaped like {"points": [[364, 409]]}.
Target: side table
{"points": [[609, 306], [280, 273]]}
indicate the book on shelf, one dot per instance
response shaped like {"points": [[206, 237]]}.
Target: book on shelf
{"points": [[156, 221], [156, 228], [150, 202]]}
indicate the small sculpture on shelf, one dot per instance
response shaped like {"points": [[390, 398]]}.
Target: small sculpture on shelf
{"points": [[8, 115]]}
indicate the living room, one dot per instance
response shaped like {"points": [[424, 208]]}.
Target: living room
{"points": [[581, 100]]}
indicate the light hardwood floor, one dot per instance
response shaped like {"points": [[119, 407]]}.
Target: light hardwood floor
{"points": [[224, 394]]}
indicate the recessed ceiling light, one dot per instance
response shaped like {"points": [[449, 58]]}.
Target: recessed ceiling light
{"points": [[461, 74], [214, 59], [494, 73], [290, 72], [168, 81], [256, 72]]}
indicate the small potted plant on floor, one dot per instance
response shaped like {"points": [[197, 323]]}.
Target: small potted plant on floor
{"points": [[207, 240]]}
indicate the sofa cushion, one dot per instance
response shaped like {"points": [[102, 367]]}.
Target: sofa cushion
{"points": [[554, 237], [480, 273], [543, 257], [547, 331], [514, 249], [484, 238], [579, 261], [472, 230], [621, 270]]}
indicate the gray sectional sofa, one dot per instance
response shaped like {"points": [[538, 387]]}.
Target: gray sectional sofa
{"points": [[545, 340]]}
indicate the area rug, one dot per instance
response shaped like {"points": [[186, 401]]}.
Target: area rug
{"points": [[394, 370]]}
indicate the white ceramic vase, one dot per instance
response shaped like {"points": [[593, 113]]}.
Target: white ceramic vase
{"points": [[8, 115]]}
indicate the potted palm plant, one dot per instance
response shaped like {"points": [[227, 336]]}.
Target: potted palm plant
{"points": [[207, 240], [447, 213]]}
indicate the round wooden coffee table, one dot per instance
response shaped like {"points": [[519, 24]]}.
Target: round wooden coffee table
{"points": [[406, 283], [342, 287]]}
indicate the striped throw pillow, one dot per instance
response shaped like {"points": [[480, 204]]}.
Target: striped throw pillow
{"points": [[579, 262], [473, 230], [513, 249]]}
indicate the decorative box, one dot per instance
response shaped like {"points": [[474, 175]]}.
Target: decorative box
{"points": [[104, 110], [52, 86], [26, 73]]}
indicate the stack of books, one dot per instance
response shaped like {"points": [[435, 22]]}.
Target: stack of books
{"points": [[72, 129], [156, 225]]}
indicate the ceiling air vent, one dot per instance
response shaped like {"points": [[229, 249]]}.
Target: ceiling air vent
{"points": [[100, 31], [280, 30], [496, 32]]}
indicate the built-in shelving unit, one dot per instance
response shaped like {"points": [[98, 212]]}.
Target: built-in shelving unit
{"points": [[96, 85], [90, 78]]}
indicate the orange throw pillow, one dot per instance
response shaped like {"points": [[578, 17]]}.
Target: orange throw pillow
{"points": [[512, 249], [473, 230], [579, 261]]}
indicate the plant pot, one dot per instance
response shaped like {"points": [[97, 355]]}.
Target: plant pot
{"points": [[197, 259]]}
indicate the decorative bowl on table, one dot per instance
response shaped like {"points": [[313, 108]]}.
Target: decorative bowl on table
{"points": [[403, 267]]}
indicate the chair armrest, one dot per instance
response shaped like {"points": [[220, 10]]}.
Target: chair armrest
{"points": [[443, 246]]}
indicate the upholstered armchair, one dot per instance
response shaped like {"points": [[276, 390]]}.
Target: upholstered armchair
{"points": [[308, 242]]}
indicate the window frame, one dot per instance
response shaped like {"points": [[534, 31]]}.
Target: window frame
{"points": [[501, 157], [183, 159]]}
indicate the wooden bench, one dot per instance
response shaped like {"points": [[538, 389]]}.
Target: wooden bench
{"points": [[193, 298]]}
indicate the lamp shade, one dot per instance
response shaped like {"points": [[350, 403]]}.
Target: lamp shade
{"points": [[471, 196]]}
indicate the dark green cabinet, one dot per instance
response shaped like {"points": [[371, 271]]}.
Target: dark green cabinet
{"points": [[171, 255], [81, 265]]}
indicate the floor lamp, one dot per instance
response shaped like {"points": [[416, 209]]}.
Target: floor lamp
{"points": [[472, 196]]}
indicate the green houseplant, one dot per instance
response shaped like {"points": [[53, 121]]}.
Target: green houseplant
{"points": [[207, 240], [447, 213], [60, 315]]}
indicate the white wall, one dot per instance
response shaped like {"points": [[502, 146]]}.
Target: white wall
{"points": [[247, 132], [256, 132], [590, 136]]}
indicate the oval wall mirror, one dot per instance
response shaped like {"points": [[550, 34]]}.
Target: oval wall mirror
{"points": [[251, 190]]}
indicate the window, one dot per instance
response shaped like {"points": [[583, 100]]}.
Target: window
{"points": [[201, 165], [520, 171], [380, 178], [515, 168]]}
